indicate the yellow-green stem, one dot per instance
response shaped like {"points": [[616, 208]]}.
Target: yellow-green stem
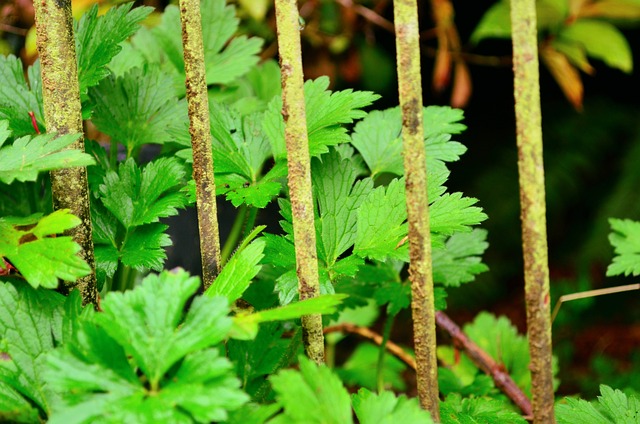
{"points": [[63, 115], [532, 205], [293, 111], [200, 131], [420, 271]]}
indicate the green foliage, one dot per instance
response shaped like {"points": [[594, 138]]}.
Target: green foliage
{"points": [[386, 408], [612, 406], [357, 370], [456, 410], [30, 243], [137, 108], [226, 57], [126, 215], [175, 372], [326, 113], [27, 156], [625, 238], [32, 323], [95, 51], [18, 98], [315, 395]]}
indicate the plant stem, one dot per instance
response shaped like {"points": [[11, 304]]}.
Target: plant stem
{"points": [[386, 334], [532, 205], [234, 234], [485, 362], [62, 110], [293, 111], [415, 165], [199, 128], [250, 221]]}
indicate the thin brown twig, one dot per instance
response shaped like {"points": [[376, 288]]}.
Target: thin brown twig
{"points": [[369, 334], [368, 14], [485, 362]]}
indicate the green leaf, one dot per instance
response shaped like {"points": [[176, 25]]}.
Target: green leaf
{"points": [[325, 304], [625, 239], [381, 223], [40, 258], [264, 355], [312, 395], [386, 408], [137, 108], [613, 406], [226, 58], [13, 407], [459, 260], [338, 196], [326, 113], [602, 41], [98, 39], [496, 22], [482, 410], [31, 324], [358, 369], [26, 157], [453, 213], [253, 414], [237, 274], [145, 360], [137, 197], [17, 99]]}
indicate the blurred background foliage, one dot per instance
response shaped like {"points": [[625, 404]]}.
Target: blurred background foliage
{"points": [[590, 105]]}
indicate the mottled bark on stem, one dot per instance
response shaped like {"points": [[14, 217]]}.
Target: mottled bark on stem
{"points": [[532, 205], [420, 271], [200, 131], [293, 111], [63, 115]]}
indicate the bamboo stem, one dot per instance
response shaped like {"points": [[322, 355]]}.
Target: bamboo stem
{"points": [[199, 128], [293, 111], [415, 165], [532, 205], [63, 115]]}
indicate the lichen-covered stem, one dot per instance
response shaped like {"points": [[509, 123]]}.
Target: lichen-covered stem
{"points": [[293, 110], [63, 115], [200, 131], [420, 271], [532, 205]]}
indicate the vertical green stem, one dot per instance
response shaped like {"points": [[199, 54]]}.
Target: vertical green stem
{"points": [[200, 131], [293, 111], [532, 205], [415, 165], [63, 115]]}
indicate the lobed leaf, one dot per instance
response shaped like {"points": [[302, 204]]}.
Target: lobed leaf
{"points": [[17, 99], [386, 408], [98, 40], [312, 395], [28, 156], [40, 258], [625, 239]]}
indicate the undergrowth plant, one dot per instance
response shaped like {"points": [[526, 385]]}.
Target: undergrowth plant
{"points": [[160, 348]]}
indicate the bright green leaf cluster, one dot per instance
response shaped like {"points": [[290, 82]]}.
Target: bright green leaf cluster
{"points": [[316, 395], [94, 49], [32, 245], [27, 156], [612, 406], [326, 113], [18, 98], [480, 410], [625, 238], [125, 217], [145, 360], [32, 323]]}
